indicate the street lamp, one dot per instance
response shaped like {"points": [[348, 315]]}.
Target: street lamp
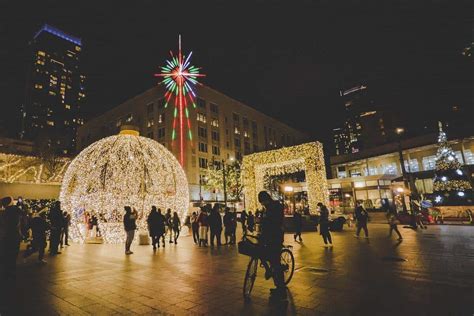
{"points": [[400, 131]]}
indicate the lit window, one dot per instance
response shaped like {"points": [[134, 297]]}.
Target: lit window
{"points": [[161, 118], [50, 123], [201, 118], [429, 163], [412, 165], [67, 106], [236, 130], [129, 118], [215, 122], [246, 134], [78, 48], [150, 122], [66, 123], [41, 53], [38, 86], [51, 92]]}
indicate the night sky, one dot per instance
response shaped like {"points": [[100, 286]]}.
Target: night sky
{"points": [[288, 59]]}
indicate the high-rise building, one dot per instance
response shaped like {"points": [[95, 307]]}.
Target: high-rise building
{"points": [[365, 125], [223, 129], [54, 90]]}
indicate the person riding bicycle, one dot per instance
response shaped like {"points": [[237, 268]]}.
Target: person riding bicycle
{"points": [[271, 238]]}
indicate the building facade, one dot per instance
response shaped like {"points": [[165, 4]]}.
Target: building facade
{"points": [[54, 90], [375, 174], [223, 130]]}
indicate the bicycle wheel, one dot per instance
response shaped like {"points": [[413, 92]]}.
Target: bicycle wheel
{"points": [[250, 276], [287, 262]]}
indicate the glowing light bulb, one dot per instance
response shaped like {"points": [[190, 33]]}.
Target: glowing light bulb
{"points": [[459, 172], [438, 199], [460, 193], [444, 178]]}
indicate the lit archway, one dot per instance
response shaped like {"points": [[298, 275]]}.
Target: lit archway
{"points": [[307, 157]]}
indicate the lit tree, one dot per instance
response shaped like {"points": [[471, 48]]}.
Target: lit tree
{"points": [[451, 185], [214, 180]]}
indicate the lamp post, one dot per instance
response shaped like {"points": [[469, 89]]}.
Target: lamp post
{"points": [[224, 170], [400, 131]]}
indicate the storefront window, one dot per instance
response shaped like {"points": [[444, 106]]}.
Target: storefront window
{"points": [[429, 163], [390, 168], [412, 165], [469, 157]]}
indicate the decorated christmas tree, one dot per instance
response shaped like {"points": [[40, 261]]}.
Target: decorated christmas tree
{"points": [[451, 185]]}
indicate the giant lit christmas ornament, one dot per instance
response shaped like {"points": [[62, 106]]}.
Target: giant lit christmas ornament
{"points": [[118, 171], [180, 78]]}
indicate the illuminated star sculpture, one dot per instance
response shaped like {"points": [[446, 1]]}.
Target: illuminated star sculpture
{"points": [[180, 78]]}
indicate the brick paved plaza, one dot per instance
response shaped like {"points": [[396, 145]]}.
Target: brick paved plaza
{"points": [[356, 277]]}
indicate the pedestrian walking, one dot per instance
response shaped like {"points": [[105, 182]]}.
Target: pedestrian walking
{"points": [[228, 226], [324, 225], [243, 221], [176, 225], [57, 223], [195, 227], [215, 224], [393, 222], [362, 217], [129, 223], [298, 224], [233, 228], [39, 227], [169, 224], [203, 226], [153, 227], [65, 230]]}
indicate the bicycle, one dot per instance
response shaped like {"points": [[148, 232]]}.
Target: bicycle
{"points": [[251, 249]]}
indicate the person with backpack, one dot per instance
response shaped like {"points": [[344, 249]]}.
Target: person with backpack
{"points": [[362, 217]]}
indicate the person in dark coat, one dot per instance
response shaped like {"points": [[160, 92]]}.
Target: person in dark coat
{"points": [[234, 228], [361, 217], [324, 225], [215, 225], [228, 226], [203, 221], [56, 221], [176, 225], [153, 227], [195, 227], [243, 221], [39, 227], [67, 223], [129, 224], [10, 238], [298, 224], [271, 239], [161, 228], [251, 222], [169, 223]]}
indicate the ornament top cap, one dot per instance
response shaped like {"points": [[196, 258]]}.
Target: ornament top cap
{"points": [[129, 130]]}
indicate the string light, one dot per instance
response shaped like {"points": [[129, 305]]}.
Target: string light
{"points": [[31, 169], [117, 171], [307, 157]]}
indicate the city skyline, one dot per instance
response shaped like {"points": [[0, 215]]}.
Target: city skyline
{"points": [[121, 58]]}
